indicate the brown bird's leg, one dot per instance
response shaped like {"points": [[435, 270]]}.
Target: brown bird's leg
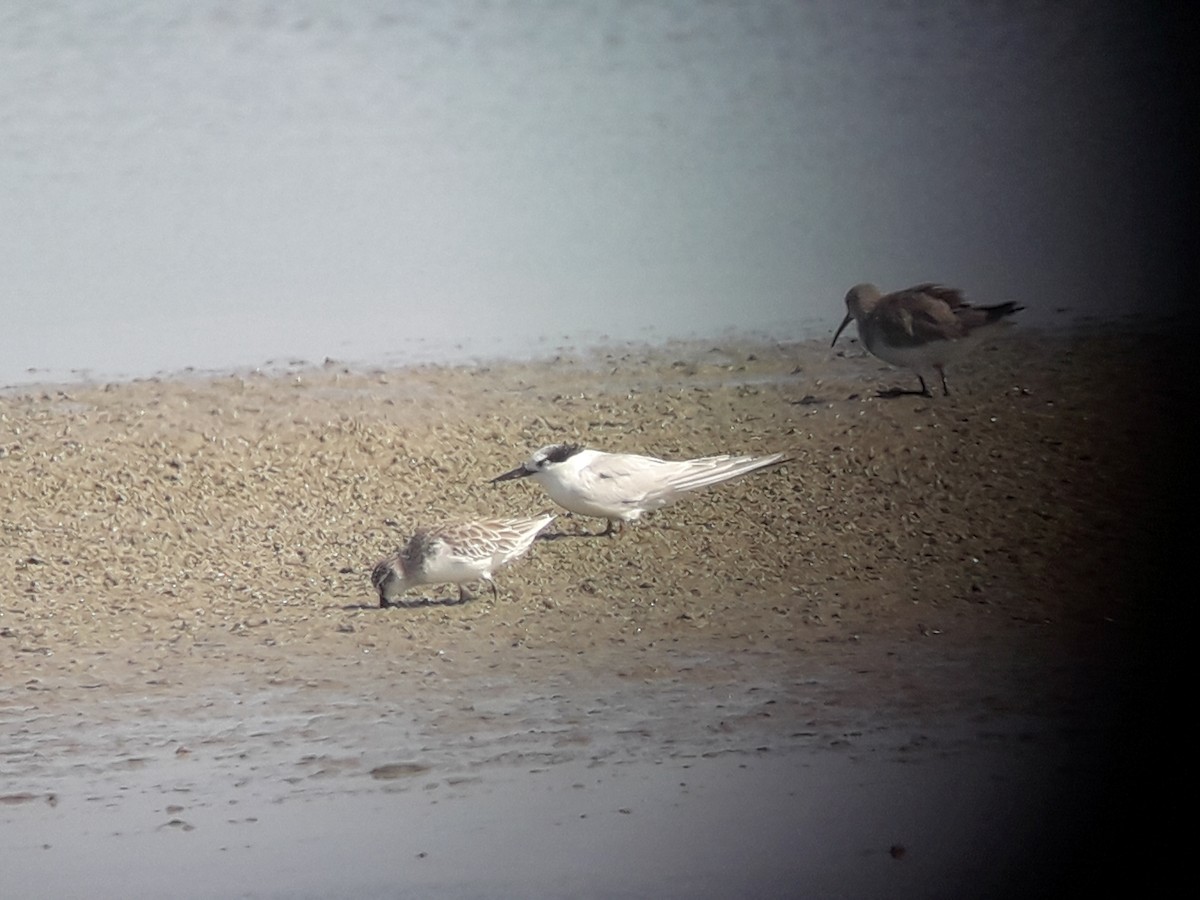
{"points": [[892, 393], [945, 389]]}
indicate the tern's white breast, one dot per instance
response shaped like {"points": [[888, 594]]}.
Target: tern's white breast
{"points": [[583, 488]]}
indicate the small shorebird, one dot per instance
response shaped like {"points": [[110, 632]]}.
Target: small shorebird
{"points": [[923, 327], [620, 487], [454, 554]]}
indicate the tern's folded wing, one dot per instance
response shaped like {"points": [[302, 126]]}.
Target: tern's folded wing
{"points": [[691, 475]]}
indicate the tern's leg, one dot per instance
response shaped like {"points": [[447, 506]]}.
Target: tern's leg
{"points": [[464, 595], [942, 373]]}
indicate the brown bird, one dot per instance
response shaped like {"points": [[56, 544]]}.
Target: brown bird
{"points": [[920, 328]]}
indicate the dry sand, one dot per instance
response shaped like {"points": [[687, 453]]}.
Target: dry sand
{"points": [[188, 636]]}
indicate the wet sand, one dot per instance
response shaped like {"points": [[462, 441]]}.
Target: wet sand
{"points": [[907, 663]]}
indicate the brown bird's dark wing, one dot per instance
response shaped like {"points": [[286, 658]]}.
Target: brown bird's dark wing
{"points": [[920, 315], [952, 297]]}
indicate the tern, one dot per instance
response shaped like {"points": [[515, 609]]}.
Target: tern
{"points": [[620, 487]]}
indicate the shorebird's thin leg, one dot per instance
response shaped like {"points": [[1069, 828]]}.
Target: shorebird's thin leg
{"points": [[560, 535], [464, 595], [495, 593], [945, 389], [925, 392], [384, 604]]}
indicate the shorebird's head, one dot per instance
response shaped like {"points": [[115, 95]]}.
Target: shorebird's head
{"points": [[545, 458], [388, 580], [860, 300]]}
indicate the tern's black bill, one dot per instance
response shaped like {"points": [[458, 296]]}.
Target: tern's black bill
{"points": [[518, 472]]}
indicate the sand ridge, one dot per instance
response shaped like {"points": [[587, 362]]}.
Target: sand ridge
{"points": [[156, 517]]}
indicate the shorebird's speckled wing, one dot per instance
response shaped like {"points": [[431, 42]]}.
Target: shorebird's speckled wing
{"points": [[500, 540]]}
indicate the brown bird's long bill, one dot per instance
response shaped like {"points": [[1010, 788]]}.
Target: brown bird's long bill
{"points": [[846, 321]]}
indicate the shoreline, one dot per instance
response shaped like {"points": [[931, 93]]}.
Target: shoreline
{"points": [[596, 347]]}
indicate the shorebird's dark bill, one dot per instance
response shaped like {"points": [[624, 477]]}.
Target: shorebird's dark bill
{"points": [[518, 472], [846, 321]]}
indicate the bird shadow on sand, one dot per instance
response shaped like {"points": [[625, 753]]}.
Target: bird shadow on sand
{"points": [[562, 535], [415, 603], [893, 393], [808, 400]]}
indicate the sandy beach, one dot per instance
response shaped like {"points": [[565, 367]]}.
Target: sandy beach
{"points": [[903, 664]]}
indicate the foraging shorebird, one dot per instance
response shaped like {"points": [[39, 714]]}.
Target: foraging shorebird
{"points": [[455, 554], [620, 487], [921, 328]]}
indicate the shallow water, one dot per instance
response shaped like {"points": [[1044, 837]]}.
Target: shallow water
{"points": [[819, 824], [806, 780], [218, 185]]}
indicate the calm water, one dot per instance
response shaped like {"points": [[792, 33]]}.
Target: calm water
{"points": [[218, 184]]}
